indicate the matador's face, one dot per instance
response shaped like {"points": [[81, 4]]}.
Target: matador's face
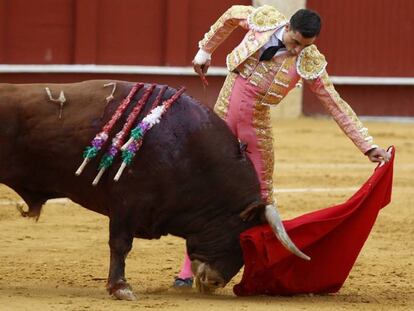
{"points": [[294, 41]]}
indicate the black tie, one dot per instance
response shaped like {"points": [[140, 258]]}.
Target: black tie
{"points": [[271, 51]]}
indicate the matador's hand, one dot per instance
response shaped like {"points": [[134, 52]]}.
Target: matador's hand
{"points": [[201, 70], [378, 155], [201, 62]]}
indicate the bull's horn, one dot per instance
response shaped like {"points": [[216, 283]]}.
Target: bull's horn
{"points": [[273, 218]]}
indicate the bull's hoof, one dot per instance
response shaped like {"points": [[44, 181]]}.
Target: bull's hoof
{"points": [[125, 294], [122, 291]]}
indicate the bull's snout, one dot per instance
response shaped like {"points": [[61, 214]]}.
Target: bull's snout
{"points": [[207, 280]]}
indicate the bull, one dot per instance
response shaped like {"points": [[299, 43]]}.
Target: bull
{"points": [[190, 179]]}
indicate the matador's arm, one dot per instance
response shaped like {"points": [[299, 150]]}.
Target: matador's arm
{"points": [[235, 16], [311, 66], [342, 113]]}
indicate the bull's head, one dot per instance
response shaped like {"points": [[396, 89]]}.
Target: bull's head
{"points": [[207, 279], [217, 273], [215, 264]]}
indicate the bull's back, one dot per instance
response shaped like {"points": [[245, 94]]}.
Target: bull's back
{"points": [[187, 160], [189, 168]]}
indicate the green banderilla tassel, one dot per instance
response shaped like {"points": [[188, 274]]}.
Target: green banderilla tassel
{"points": [[106, 161], [127, 156], [90, 152], [136, 133]]}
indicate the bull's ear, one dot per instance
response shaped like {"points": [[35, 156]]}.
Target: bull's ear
{"points": [[253, 210]]}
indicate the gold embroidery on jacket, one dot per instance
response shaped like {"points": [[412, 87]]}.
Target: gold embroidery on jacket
{"points": [[280, 84], [242, 52], [221, 106], [275, 70], [248, 66]]}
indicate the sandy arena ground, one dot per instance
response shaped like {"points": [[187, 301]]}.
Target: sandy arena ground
{"points": [[61, 262]]}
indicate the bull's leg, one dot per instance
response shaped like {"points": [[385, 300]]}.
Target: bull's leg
{"points": [[120, 243]]}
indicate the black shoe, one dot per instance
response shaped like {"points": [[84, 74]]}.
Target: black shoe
{"points": [[183, 283]]}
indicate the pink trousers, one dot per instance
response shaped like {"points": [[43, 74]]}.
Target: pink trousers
{"points": [[245, 123]]}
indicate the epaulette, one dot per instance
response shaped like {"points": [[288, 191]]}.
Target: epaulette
{"points": [[310, 63], [266, 18], [238, 11]]}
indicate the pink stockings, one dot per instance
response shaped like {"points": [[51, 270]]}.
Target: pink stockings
{"points": [[186, 272]]}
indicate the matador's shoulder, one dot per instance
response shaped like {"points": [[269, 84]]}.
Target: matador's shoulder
{"points": [[310, 63], [238, 11], [265, 18]]}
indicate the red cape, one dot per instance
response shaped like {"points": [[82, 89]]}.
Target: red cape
{"points": [[332, 237]]}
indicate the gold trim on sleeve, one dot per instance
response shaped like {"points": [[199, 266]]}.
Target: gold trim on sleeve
{"points": [[224, 26], [347, 110]]}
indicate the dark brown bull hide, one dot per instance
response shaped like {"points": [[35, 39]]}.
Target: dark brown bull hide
{"points": [[190, 178]]}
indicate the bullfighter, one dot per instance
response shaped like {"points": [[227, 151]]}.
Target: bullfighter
{"points": [[274, 55]]}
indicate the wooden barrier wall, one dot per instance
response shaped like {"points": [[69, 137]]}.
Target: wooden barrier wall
{"points": [[369, 38], [127, 32], [359, 38]]}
